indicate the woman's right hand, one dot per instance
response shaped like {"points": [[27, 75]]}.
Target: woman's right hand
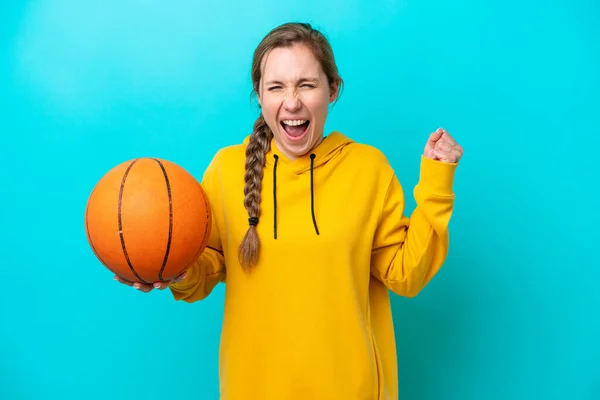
{"points": [[143, 287]]}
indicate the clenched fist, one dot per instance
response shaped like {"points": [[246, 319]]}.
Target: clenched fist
{"points": [[442, 147]]}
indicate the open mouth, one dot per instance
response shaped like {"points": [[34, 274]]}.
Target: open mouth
{"points": [[295, 128]]}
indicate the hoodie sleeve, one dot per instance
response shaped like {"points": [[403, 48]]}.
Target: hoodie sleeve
{"points": [[409, 251], [209, 269]]}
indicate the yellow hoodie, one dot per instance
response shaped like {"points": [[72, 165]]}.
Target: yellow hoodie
{"points": [[313, 320]]}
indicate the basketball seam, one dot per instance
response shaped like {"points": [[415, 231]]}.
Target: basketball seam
{"points": [[120, 221], [207, 227], [89, 237], [168, 250]]}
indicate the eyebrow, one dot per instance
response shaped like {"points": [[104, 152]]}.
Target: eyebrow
{"points": [[274, 81]]}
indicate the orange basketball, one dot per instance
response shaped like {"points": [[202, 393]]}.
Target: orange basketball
{"points": [[147, 220]]}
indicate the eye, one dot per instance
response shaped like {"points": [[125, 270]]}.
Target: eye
{"points": [[272, 88], [308, 85]]}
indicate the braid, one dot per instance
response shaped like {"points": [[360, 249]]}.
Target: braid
{"points": [[258, 146], [284, 35]]}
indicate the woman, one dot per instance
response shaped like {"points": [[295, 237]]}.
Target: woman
{"points": [[309, 234]]}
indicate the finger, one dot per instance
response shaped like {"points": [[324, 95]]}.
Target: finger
{"points": [[142, 287], [123, 281], [443, 146], [446, 137], [161, 285], [434, 137], [457, 155], [165, 284]]}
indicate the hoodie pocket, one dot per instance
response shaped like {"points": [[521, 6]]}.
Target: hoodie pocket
{"points": [[376, 361], [377, 368]]}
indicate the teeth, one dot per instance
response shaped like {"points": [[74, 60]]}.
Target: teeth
{"points": [[294, 122]]}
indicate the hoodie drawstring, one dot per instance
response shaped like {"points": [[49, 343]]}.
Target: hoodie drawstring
{"points": [[312, 194], [275, 196]]}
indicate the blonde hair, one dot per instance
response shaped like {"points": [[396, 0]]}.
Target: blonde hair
{"points": [[285, 35]]}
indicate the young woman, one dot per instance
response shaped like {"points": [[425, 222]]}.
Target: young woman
{"points": [[309, 234]]}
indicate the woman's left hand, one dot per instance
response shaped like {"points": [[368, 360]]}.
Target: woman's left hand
{"points": [[442, 147]]}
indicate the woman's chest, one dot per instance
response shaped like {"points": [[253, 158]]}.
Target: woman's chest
{"points": [[302, 214]]}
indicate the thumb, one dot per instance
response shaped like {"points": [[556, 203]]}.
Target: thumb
{"points": [[434, 137]]}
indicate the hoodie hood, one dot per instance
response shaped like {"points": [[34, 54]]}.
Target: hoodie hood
{"points": [[326, 152], [330, 147]]}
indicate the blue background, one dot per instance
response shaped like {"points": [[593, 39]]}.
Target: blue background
{"points": [[86, 85]]}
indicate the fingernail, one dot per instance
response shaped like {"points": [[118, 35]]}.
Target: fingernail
{"points": [[137, 285], [157, 285]]}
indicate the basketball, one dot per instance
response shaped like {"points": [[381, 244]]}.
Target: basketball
{"points": [[147, 220]]}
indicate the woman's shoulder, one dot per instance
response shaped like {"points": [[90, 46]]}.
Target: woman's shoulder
{"points": [[368, 156], [230, 154], [368, 151]]}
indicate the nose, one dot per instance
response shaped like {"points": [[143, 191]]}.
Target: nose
{"points": [[291, 101]]}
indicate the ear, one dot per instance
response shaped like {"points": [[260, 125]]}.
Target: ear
{"points": [[258, 96], [333, 91]]}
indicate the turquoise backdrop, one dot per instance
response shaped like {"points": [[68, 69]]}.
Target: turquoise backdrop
{"points": [[84, 85]]}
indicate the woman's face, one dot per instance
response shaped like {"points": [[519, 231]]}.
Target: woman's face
{"points": [[294, 94]]}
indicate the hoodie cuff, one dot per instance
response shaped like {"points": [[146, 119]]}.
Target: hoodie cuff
{"points": [[437, 177]]}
